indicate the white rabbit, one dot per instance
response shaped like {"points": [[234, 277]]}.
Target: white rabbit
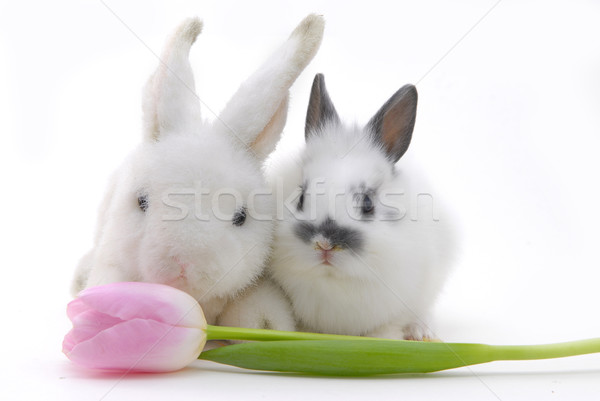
{"points": [[189, 207], [351, 253]]}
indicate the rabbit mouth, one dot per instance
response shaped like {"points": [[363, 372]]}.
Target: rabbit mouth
{"points": [[326, 255]]}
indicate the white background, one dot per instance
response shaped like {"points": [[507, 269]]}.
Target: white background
{"points": [[508, 129]]}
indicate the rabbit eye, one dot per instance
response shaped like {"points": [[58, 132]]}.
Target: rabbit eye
{"points": [[301, 201], [143, 202], [239, 218], [367, 207]]}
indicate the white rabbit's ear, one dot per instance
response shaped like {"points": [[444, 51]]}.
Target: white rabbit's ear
{"points": [[170, 104], [257, 112], [320, 108], [267, 139], [393, 124]]}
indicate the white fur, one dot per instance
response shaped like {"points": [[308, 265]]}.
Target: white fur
{"points": [[186, 237], [386, 290], [256, 304]]}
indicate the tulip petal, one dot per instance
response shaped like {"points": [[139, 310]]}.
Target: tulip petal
{"points": [[68, 343], [129, 300], [75, 307], [86, 324], [140, 345]]}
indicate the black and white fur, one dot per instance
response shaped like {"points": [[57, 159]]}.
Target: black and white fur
{"points": [[348, 253]]}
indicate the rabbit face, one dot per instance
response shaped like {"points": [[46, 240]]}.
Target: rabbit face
{"points": [[347, 252], [349, 200], [205, 227]]}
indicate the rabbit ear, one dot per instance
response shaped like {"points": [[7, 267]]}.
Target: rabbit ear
{"points": [[170, 104], [393, 124], [255, 114], [266, 140], [320, 108]]}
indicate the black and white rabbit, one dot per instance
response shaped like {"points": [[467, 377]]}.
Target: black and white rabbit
{"points": [[349, 251]]}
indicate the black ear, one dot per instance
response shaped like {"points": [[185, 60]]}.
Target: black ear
{"points": [[393, 124], [320, 108]]}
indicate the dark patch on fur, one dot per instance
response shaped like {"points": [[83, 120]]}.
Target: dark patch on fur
{"points": [[300, 205], [239, 218], [365, 198], [401, 112], [265, 324], [367, 207], [143, 202], [337, 235], [305, 231], [320, 108]]}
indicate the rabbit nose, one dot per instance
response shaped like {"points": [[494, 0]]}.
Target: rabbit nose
{"points": [[324, 245]]}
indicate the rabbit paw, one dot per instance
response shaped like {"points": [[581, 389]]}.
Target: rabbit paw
{"points": [[262, 306], [412, 331], [418, 332]]}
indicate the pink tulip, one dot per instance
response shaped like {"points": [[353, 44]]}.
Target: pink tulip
{"points": [[143, 327], [134, 327]]}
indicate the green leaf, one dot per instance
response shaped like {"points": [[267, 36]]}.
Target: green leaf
{"points": [[349, 357]]}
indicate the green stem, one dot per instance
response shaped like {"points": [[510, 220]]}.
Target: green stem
{"points": [[545, 351], [240, 333]]}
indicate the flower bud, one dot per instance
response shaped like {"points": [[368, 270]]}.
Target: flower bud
{"points": [[134, 327]]}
